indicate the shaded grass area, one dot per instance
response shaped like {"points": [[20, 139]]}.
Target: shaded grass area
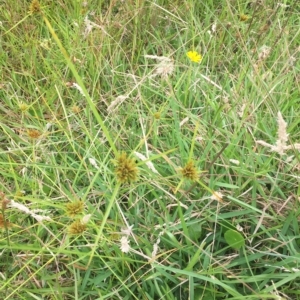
{"points": [[57, 149]]}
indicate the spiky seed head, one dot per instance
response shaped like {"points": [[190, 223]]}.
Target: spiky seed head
{"points": [[243, 18], [189, 171], [23, 106], [33, 133], [76, 109], [4, 223], [126, 169], [34, 7], [157, 115], [77, 228], [74, 208]]}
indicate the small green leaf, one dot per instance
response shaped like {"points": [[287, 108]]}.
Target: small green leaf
{"points": [[195, 232], [234, 239]]}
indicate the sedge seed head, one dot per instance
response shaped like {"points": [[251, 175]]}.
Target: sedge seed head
{"points": [[243, 18], [74, 208], [34, 7], [157, 115], [76, 109], [126, 169], [23, 106], [3, 222], [77, 228], [33, 133], [189, 171], [3, 201]]}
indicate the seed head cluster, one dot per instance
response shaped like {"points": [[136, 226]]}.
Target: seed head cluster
{"points": [[74, 208], [77, 228], [243, 18], [126, 169], [33, 133], [34, 7], [189, 171], [3, 223]]}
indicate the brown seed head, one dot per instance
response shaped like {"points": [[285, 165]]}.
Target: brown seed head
{"points": [[33, 133], [34, 7], [77, 228], [189, 171]]}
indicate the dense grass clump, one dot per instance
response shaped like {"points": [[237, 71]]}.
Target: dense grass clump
{"points": [[149, 150]]}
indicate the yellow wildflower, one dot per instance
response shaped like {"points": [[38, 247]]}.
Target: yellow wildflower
{"points": [[194, 56]]}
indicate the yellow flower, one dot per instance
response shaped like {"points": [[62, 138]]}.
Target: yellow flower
{"points": [[194, 56]]}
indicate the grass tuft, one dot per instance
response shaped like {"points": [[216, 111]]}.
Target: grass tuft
{"points": [[149, 150]]}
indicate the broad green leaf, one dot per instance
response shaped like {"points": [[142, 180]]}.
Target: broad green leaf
{"points": [[234, 239]]}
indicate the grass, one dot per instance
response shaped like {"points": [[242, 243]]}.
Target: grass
{"points": [[110, 133]]}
